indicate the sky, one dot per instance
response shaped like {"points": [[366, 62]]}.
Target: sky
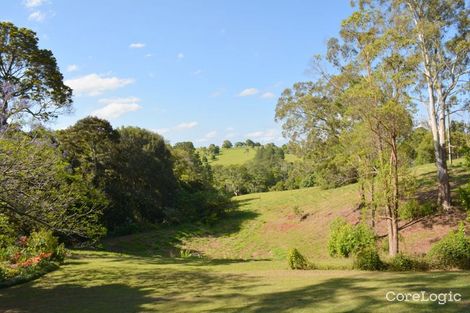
{"points": [[202, 71]]}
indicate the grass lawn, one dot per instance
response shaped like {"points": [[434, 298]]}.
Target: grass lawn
{"points": [[109, 282], [245, 268]]}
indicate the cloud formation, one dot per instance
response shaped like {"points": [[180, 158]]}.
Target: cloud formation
{"points": [[265, 135], [117, 107], [268, 95], [186, 125], [180, 55], [248, 92], [94, 84], [33, 3], [72, 68], [137, 45], [37, 16]]}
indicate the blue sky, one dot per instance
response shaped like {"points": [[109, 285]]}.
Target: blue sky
{"points": [[203, 70]]}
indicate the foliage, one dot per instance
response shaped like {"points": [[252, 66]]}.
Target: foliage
{"points": [[297, 261], [412, 209], [368, 260], [31, 85], [43, 241], [7, 232], [452, 251], [38, 190], [227, 144], [402, 262], [346, 239]]}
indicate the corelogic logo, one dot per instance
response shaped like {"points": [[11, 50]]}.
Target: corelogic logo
{"points": [[423, 296]]}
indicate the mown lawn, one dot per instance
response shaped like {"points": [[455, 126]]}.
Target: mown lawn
{"points": [[109, 282]]}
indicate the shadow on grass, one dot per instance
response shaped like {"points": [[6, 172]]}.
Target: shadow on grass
{"points": [[105, 287], [111, 289], [356, 294], [167, 239]]}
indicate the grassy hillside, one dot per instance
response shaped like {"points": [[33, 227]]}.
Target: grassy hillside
{"points": [[267, 225], [237, 156]]}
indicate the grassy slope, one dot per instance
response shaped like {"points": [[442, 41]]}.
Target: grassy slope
{"points": [[113, 283], [237, 156], [267, 225], [264, 227]]}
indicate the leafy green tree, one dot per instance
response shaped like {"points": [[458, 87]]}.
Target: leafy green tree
{"points": [[249, 143], [31, 85], [142, 187], [38, 190], [213, 149], [227, 144]]}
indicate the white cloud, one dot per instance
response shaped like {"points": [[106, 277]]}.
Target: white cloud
{"points": [[186, 125], [94, 84], [137, 45], [268, 95], [180, 55], [33, 3], [197, 72], [162, 131], [248, 92], [117, 107], [148, 55], [37, 16], [265, 135], [72, 68], [210, 135]]}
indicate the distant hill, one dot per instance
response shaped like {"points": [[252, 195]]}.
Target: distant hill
{"points": [[241, 155]]}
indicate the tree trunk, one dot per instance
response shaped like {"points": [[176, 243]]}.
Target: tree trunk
{"points": [[393, 237]]}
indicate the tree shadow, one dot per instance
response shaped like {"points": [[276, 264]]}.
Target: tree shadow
{"points": [[355, 294], [85, 288], [166, 240]]}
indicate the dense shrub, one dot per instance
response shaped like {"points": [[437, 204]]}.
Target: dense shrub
{"points": [[7, 232], [43, 242], [413, 210], [297, 261], [346, 239], [452, 251], [368, 260], [402, 262]]}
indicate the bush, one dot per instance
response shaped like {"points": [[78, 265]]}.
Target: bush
{"points": [[413, 210], [368, 260], [346, 239], [7, 232], [452, 251], [297, 261], [464, 195], [402, 262]]}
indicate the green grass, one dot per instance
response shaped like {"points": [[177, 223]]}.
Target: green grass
{"points": [[110, 282], [241, 155], [243, 268]]}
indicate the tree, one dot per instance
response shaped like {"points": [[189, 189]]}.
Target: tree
{"points": [[438, 40], [213, 149], [31, 85], [38, 190], [227, 144], [250, 143]]}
